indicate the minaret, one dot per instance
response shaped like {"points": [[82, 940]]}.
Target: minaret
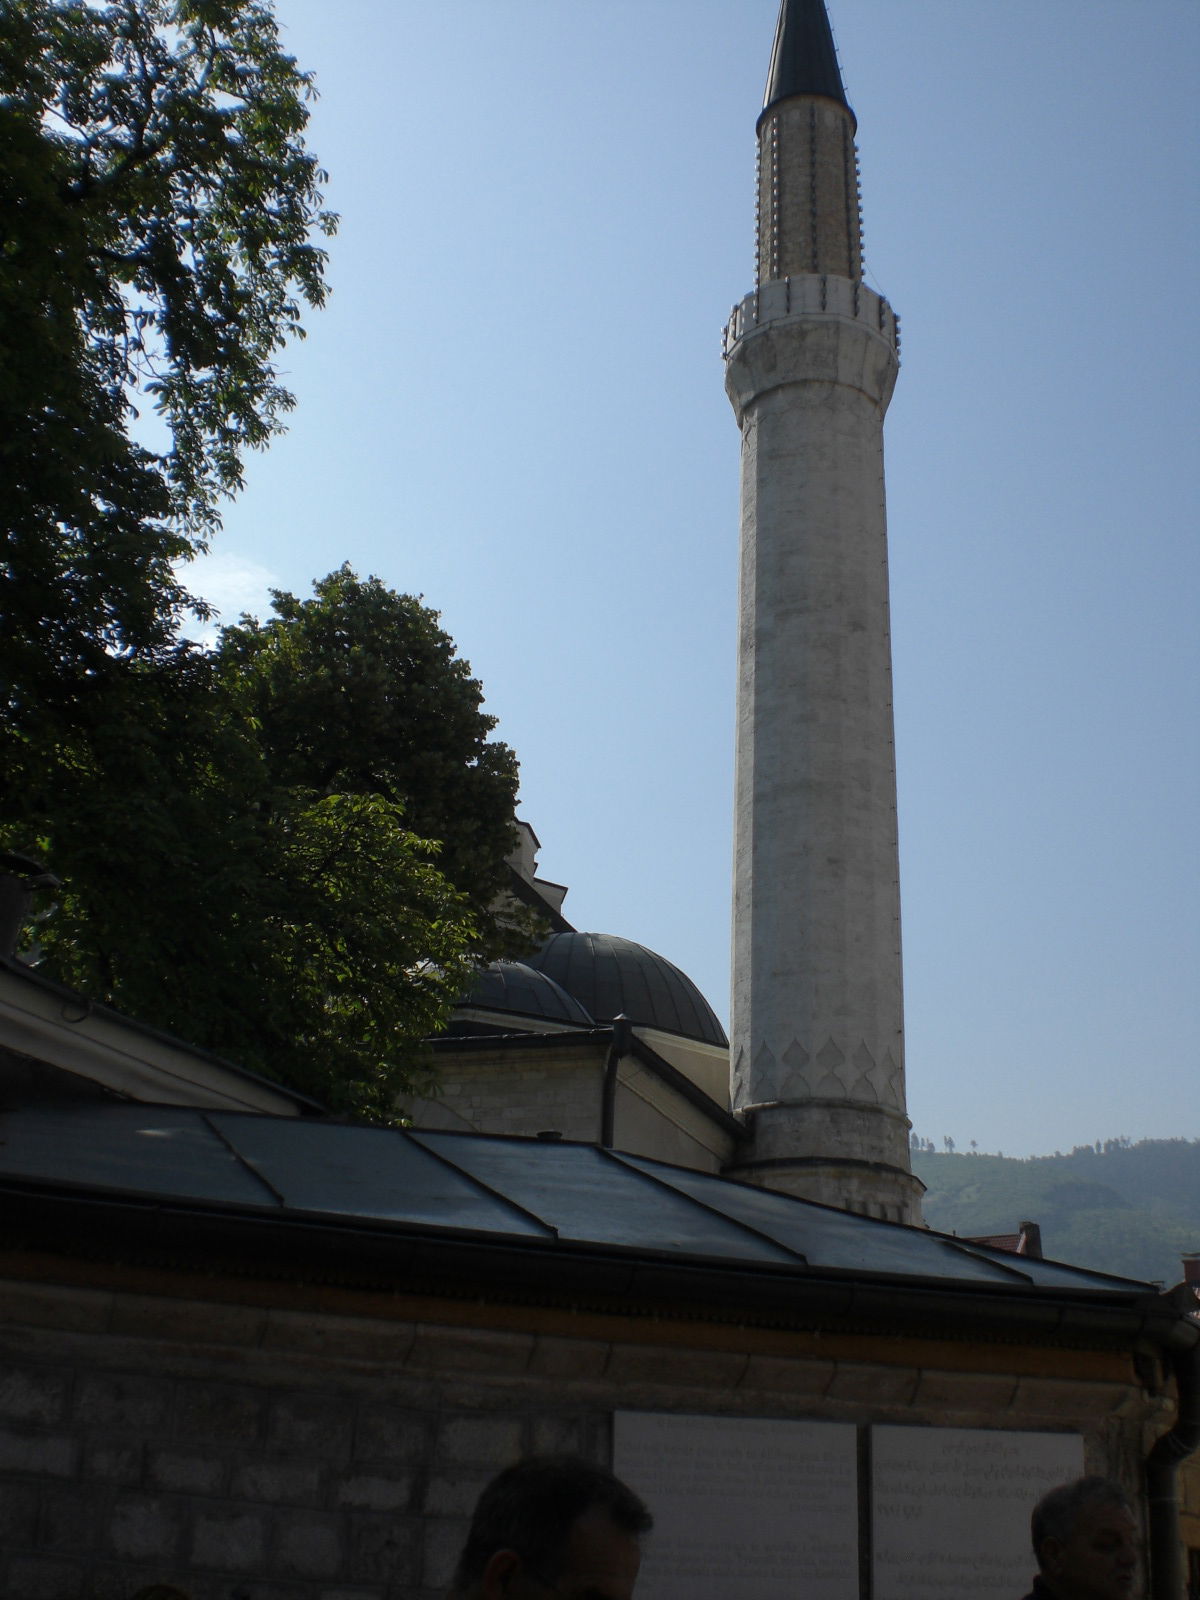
{"points": [[818, 1045]]}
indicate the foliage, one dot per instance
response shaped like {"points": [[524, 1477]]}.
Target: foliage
{"points": [[248, 838], [1129, 1209], [156, 210], [308, 936], [360, 691]]}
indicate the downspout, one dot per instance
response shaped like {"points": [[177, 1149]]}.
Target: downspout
{"points": [[1167, 1575], [618, 1047]]}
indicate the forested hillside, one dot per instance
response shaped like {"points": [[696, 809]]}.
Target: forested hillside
{"points": [[1129, 1209]]}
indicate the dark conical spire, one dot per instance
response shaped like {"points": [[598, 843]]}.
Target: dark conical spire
{"points": [[803, 59]]}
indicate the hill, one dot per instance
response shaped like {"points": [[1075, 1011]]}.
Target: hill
{"points": [[1129, 1209]]}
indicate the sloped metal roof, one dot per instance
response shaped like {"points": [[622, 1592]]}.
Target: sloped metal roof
{"points": [[547, 1195]]}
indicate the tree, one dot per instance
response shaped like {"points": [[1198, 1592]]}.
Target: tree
{"points": [[237, 853], [156, 211], [262, 897], [307, 936], [360, 691]]}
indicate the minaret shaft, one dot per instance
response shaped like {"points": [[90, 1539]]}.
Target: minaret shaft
{"points": [[818, 1043], [817, 1000], [808, 204]]}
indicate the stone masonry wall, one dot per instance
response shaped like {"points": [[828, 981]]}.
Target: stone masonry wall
{"points": [[500, 1092], [246, 1451]]}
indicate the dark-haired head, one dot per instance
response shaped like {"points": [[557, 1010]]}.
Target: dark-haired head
{"points": [[526, 1518]]}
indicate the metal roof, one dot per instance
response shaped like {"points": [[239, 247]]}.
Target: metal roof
{"points": [[513, 987], [803, 58], [546, 1195], [612, 977]]}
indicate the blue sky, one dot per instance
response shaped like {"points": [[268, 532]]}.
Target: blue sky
{"points": [[513, 405]]}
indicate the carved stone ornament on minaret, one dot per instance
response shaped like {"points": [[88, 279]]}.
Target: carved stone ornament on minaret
{"points": [[817, 1059]]}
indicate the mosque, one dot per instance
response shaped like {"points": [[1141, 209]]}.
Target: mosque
{"points": [[252, 1351], [816, 1072]]}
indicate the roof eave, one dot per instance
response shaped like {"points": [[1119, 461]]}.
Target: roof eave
{"points": [[49, 1022], [428, 1260]]}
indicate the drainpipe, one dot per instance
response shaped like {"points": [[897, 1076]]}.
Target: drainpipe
{"points": [[1167, 1575], [618, 1047]]}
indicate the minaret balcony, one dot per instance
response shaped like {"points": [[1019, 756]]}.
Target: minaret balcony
{"points": [[816, 294]]}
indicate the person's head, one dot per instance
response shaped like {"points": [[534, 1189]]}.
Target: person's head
{"points": [[553, 1528], [1085, 1538]]}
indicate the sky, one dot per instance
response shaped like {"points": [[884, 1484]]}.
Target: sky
{"points": [[513, 406]]}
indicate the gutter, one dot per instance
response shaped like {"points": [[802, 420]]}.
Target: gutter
{"points": [[278, 1243], [1169, 1451], [452, 1044]]}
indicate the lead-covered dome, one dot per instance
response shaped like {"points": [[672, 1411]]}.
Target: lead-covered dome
{"points": [[518, 990], [612, 977]]}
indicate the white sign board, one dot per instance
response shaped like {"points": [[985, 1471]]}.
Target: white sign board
{"points": [[950, 1508], [744, 1508]]}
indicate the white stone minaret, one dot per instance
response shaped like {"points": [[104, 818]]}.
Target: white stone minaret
{"points": [[817, 1057]]}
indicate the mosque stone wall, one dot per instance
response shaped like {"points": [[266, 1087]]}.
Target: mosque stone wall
{"points": [[215, 1436], [653, 1120], [518, 1092], [561, 1090]]}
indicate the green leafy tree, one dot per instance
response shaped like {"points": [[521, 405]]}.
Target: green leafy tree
{"points": [[157, 208], [279, 897], [308, 936], [289, 849], [360, 691]]}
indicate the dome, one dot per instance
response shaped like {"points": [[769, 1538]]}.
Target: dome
{"points": [[513, 987], [614, 977]]}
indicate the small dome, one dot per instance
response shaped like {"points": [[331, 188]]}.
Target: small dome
{"points": [[512, 987], [614, 977]]}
